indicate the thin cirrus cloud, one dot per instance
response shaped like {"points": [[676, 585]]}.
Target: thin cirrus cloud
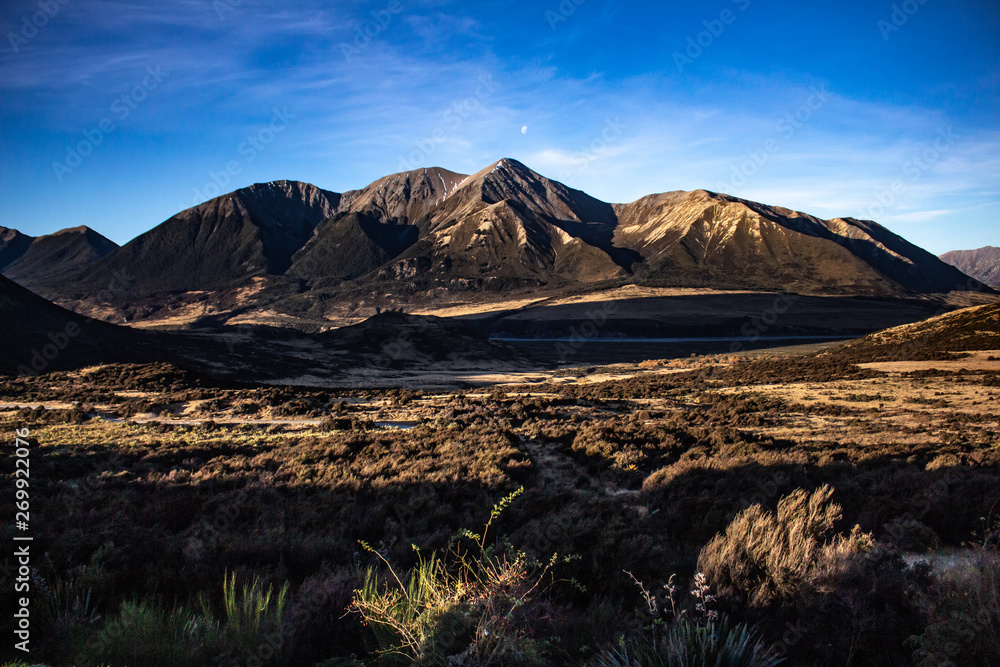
{"points": [[440, 83]]}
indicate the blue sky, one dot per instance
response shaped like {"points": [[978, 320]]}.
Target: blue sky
{"points": [[118, 115]]}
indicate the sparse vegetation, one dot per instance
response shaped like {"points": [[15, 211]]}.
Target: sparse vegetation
{"points": [[152, 633], [692, 634], [478, 604], [961, 611], [803, 505]]}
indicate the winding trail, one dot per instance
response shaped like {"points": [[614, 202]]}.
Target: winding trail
{"points": [[559, 471]]}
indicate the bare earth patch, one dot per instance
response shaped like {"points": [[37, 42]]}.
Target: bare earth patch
{"points": [[977, 361]]}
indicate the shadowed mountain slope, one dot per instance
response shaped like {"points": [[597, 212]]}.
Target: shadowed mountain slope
{"points": [[40, 336], [13, 244], [403, 198], [250, 232], [51, 261], [397, 339], [350, 245]]}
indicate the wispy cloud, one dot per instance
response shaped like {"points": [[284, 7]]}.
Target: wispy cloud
{"points": [[358, 118]]}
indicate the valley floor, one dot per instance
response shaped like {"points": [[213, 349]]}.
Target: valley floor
{"points": [[150, 485]]}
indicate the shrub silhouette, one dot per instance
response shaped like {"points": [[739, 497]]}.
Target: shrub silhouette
{"points": [[962, 614]]}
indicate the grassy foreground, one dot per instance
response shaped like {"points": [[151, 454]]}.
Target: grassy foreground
{"points": [[742, 512]]}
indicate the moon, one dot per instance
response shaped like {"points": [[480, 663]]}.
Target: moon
{"points": [[524, 130]]}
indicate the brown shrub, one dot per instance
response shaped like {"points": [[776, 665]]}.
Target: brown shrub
{"points": [[765, 557]]}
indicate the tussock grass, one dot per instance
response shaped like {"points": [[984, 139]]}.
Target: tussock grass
{"points": [[764, 557], [689, 643], [682, 636]]}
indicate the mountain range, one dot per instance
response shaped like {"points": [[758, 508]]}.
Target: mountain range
{"points": [[291, 248], [47, 263], [983, 264], [40, 337]]}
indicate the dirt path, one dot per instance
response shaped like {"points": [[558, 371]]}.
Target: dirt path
{"points": [[560, 472]]}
